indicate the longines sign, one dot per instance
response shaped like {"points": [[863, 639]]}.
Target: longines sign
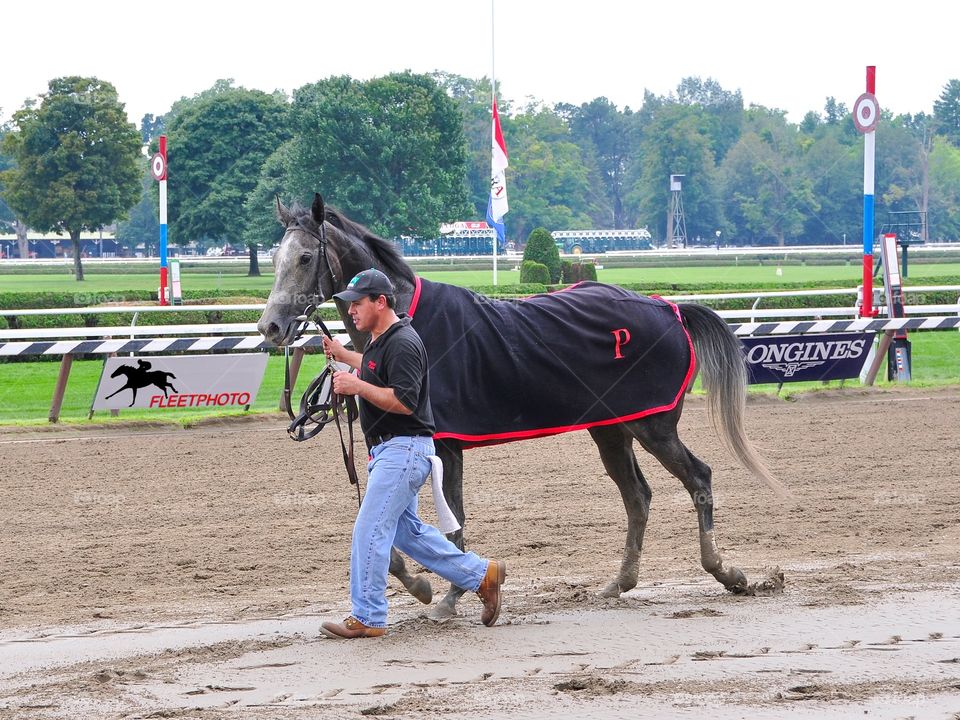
{"points": [[792, 358], [169, 382]]}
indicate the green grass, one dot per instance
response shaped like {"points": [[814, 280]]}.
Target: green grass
{"points": [[104, 283], [842, 275]]}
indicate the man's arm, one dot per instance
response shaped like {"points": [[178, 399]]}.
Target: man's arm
{"points": [[385, 398]]}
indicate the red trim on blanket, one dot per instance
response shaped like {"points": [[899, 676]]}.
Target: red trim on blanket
{"points": [[416, 296], [471, 441]]}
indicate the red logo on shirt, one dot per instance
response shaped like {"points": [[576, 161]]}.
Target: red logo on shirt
{"points": [[371, 365]]}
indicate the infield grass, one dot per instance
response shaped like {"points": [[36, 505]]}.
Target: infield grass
{"points": [[766, 275]]}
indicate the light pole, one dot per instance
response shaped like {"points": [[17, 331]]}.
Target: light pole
{"points": [[718, 240]]}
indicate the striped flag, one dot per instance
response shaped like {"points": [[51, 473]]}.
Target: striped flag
{"points": [[497, 205]]}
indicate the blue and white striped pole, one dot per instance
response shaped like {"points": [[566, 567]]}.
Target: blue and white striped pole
{"points": [[162, 178]]}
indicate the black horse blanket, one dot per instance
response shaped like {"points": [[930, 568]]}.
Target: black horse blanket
{"points": [[591, 354]]}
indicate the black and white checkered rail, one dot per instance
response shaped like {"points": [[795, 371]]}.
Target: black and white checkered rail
{"points": [[252, 343]]}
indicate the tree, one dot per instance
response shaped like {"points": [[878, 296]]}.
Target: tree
{"points": [[676, 141], [604, 135], [901, 168], [260, 208], [389, 152], [548, 180], [217, 144], [151, 127], [77, 160], [946, 112], [723, 111], [8, 220], [7, 217], [768, 194], [542, 249], [472, 98], [142, 225], [944, 217]]}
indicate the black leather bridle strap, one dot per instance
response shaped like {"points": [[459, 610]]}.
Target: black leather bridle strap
{"points": [[318, 411]]}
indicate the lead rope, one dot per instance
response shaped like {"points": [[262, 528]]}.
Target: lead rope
{"points": [[313, 410]]}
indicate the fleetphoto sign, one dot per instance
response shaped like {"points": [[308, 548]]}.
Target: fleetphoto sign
{"points": [[165, 383], [792, 358]]}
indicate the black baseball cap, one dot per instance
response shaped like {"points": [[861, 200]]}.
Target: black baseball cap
{"points": [[366, 283]]}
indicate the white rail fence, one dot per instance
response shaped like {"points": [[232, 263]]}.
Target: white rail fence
{"points": [[244, 337]]}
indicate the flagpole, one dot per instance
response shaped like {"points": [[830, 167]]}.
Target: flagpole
{"points": [[493, 99]]}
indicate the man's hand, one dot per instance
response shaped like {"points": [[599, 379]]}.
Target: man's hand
{"points": [[332, 347], [346, 383], [335, 349]]}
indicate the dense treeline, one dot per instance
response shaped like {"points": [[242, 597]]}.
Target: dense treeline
{"points": [[405, 152]]}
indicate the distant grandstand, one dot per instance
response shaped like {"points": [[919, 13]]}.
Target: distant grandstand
{"points": [[476, 238], [600, 241]]}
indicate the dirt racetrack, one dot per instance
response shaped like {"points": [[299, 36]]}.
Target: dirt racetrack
{"points": [[148, 572]]}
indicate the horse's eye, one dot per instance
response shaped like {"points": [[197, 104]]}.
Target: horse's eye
{"points": [[305, 259]]}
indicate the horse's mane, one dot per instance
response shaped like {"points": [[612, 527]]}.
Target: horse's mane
{"points": [[383, 250]]}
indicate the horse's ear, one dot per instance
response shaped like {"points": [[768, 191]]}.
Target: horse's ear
{"points": [[317, 209], [283, 215]]}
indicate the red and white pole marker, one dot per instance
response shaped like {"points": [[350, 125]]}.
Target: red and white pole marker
{"points": [[158, 168], [866, 112]]}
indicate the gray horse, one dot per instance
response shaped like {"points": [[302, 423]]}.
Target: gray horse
{"points": [[322, 249]]}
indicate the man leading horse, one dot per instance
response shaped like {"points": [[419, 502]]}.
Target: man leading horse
{"points": [[393, 394]]}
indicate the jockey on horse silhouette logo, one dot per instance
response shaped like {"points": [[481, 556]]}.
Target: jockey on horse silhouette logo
{"points": [[141, 376]]}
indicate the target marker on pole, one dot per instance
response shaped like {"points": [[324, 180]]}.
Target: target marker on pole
{"points": [[866, 112], [158, 167]]}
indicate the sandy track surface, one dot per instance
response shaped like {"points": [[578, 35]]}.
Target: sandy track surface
{"points": [[147, 572]]}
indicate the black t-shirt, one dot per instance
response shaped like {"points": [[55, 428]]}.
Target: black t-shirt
{"points": [[397, 359]]}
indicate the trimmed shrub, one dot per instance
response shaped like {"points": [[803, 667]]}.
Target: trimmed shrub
{"points": [[534, 272], [578, 272], [542, 249]]}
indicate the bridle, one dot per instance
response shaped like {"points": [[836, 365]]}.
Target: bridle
{"points": [[321, 238], [319, 404]]}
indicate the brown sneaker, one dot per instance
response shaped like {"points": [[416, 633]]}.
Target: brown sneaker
{"points": [[489, 591], [350, 628]]}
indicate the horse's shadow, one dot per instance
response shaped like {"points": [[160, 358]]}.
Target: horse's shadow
{"points": [[141, 376]]}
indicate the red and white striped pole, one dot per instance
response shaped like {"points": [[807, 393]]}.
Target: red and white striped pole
{"points": [[158, 168], [866, 112]]}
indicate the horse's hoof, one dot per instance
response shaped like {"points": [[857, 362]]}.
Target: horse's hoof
{"points": [[443, 611], [735, 581], [611, 591], [420, 588]]}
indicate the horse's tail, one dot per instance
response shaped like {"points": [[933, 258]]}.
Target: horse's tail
{"points": [[724, 374]]}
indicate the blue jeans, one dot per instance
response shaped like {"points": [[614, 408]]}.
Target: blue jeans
{"points": [[388, 517]]}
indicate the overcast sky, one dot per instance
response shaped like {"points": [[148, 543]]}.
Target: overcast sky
{"points": [[790, 56]]}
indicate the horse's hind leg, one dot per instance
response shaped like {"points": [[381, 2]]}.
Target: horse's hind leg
{"points": [[451, 453], [616, 452], [658, 436], [416, 585]]}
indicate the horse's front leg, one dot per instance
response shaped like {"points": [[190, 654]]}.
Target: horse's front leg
{"points": [[451, 453], [134, 397], [416, 585]]}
